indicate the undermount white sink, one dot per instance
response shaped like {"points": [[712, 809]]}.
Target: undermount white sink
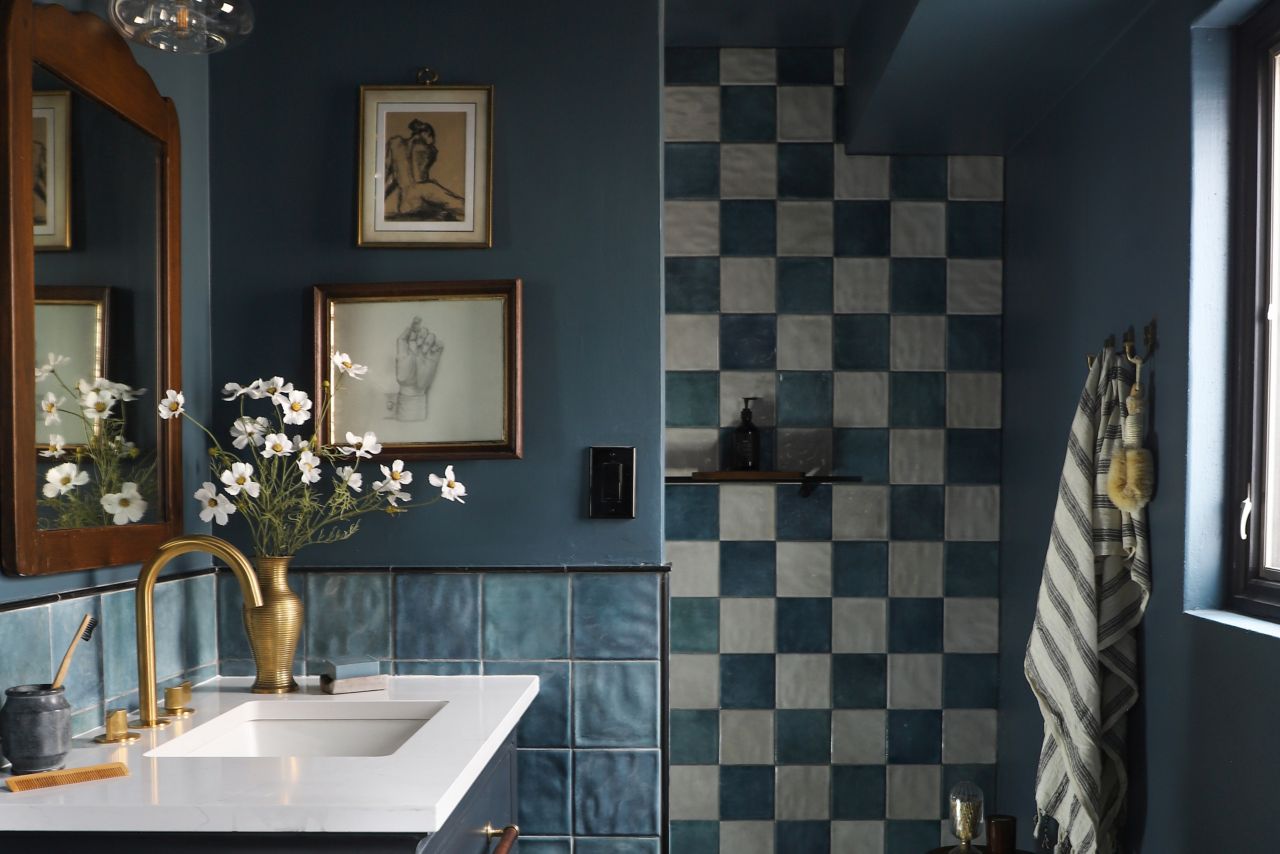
{"points": [[274, 729]]}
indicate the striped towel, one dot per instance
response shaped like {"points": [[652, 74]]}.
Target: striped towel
{"points": [[1082, 656]]}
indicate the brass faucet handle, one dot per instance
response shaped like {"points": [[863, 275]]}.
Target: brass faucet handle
{"points": [[117, 729], [185, 687], [174, 700]]}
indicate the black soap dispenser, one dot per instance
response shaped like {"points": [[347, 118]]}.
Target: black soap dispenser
{"points": [[745, 450]]}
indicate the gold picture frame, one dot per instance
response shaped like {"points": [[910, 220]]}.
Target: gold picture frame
{"points": [[75, 322], [51, 163], [426, 167]]}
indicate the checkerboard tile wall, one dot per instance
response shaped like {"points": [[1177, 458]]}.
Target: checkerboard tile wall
{"points": [[833, 657]]}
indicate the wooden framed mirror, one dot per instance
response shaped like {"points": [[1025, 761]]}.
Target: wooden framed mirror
{"points": [[91, 174]]}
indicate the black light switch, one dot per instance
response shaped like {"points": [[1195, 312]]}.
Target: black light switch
{"points": [[613, 483]]}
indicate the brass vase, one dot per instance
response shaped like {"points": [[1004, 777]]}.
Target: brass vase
{"points": [[274, 628]]}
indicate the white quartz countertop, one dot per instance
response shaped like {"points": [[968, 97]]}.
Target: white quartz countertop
{"points": [[413, 790]]}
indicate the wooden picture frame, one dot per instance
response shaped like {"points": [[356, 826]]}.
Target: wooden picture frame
{"points": [[89, 310], [51, 169], [444, 380]]}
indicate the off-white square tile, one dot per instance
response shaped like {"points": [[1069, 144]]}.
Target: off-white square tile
{"points": [[746, 737], [859, 176], [803, 568], [691, 228], [861, 399], [859, 625], [918, 229], [973, 513], [915, 569], [691, 449], [913, 791], [748, 171], [862, 285], [973, 400], [976, 178], [747, 512], [695, 792], [806, 113], [806, 449], [746, 837], [748, 285], [735, 385], [857, 837], [859, 512], [804, 342], [802, 792], [804, 681], [805, 228], [969, 736], [748, 65], [915, 681], [858, 737], [917, 456], [974, 286], [695, 567], [747, 625], [971, 625], [692, 113], [693, 342], [918, 342], [695, 681]]}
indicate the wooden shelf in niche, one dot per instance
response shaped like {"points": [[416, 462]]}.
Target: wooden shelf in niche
{"points": [[808, 483]]}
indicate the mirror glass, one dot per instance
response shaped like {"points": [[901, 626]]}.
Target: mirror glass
{"points": [[97, 277]]}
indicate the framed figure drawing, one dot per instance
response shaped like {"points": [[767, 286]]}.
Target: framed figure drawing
{"points": [[73, 322], [444, 364], [426, 164], [50, 159]]}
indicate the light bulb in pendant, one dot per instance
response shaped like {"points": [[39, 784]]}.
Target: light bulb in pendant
{"points": [[183, 26]]}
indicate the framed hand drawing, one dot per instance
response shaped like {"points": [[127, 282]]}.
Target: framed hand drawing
{"points": [[50, 160]]}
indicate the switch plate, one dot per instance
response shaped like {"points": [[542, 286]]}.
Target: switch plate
{"points": [[612, 487]]}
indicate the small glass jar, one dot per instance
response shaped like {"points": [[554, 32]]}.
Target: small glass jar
{"points": [[966, 815]]}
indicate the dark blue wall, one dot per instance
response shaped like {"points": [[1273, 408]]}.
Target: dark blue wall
{"points": [[577, 215]]}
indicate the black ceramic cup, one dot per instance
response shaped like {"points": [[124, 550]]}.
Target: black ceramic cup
{"points": [[35, 728]]}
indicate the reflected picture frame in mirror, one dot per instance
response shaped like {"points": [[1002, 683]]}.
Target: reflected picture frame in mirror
{"points": [[51, 169], [72, 322]]}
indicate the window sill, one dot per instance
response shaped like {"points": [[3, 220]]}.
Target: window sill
{"points": [[1238, 621]]}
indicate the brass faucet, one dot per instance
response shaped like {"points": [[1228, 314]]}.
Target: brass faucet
{"points": [[240, 567]]}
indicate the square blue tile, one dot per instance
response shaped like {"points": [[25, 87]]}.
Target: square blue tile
{"points": [[973, 456], [858, 793], [84, 679], [695, 624], [970, 681], [805, 170], [691, 66], [804, 399], [859, 681], [692, 285], [616, 704], [692, 170], [860, 569], [975, 230], [27, 657], [546, 724], [233, 641], [862, 229], [692, 512], [803, 517], [915, 625], [917, 399], [983, 776], [804, 624], [748, 114], [693, 398], [695, 837], [863, 452], [860, 342], [973, 343], [440, 668], [806, 66], [918, 285], [802, 736], [914, 736], [748, 342], [916, 512], [747, 568], [746, 792], [542, 601], [747, 681], [802, 837], [804, 285], [616, 845], [186, 616], [543, 846], [437, 615], [918, 177], [348, 614], [616, 792], [972, 569], [910, 837], [695, 736], [616, 615], [748, 227], [545, 787]]}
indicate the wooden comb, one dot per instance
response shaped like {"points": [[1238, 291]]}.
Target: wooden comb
{"points": [[48, 779]]}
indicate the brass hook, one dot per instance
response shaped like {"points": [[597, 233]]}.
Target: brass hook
{"points": [[1106, 345], [1149, 340], [428, 76]]}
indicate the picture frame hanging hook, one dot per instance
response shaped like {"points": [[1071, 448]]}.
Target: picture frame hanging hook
{"points": [[427, 76]]}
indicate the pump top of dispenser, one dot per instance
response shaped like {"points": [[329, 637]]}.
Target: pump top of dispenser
{"points": [[746, 408]]}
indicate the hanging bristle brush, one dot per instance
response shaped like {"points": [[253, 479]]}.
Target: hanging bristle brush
{"points": [[87, 625], [1131, 480]]}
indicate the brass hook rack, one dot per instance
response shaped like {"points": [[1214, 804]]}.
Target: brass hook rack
{"points": [[1148, 339], [1108, 344]]}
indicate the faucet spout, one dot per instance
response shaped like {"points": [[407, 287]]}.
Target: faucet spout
{"points": [[240, 567]]}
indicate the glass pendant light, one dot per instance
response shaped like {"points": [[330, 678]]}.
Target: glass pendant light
{"points": [[183, 26]]}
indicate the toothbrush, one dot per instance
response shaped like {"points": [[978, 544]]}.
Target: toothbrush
{"points": [[87, 625]]}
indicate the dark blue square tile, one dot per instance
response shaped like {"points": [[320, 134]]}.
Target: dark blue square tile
{"points": [[917, 399], [233, 641], [805, 170], [695, 736], [748, 227], [804, 624], [616, 704], [448, 668], [804, 285], [693, 398], [616, 792], [616, 845], [860, 569], [768, 444], [747, 568], [748, 342], [973, 343], [748, 114], [544, 791], [437, 615], [695, 837], [918, 285], [914, 736], [530, 845], [693, 285], [915, 625], [859, 681], [542, 601], [746, 681], [83, 686], [804, 399], [803, 517], [973, 456], [910, 837], [546, 724], [860, 342], [916, 512], [802, 837], [695, 624], [970, 681], [982, 776], [802, 736], [918, 177], [863, 452], [972, 569], [746, 792], [692, 170], [975, 230], [348, 614], [691, 66], [805, 66], [692, 512], [615, 615], [862, 229], [858, 793]]}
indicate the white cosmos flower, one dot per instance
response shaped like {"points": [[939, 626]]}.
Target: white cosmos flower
{"points": [[276, 445], [350, 478], [213, 504], [60, 480], [275, 388], [125, 506], [300, 444], [50, 406], [172, 405], [394, 495], [97, 404], [348, 367], [309, 465], [396, 477], [55, 362], [42, 373], [246, 429], [239, 478], [56, 449], [126, 392], [296, 406], [364, 447], [231, 391], [449, 488]]}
